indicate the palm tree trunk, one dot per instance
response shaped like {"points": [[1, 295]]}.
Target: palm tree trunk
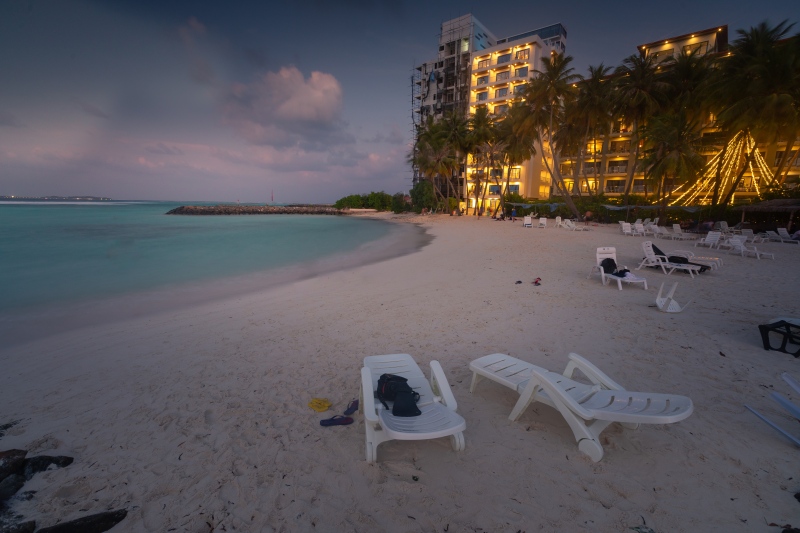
{"points": [[632, 169], [732, 190], [718, 177], [787, 152]]}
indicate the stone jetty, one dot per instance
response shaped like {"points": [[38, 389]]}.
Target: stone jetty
{"points": [[256, 210]]}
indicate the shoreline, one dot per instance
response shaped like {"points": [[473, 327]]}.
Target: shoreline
{"points": [[20, 326], [203, 411]]}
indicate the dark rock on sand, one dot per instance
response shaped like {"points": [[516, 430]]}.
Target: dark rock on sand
{"points": [[11, 462], [96, 523], [18, 527], [40, 463], [9, 486]]}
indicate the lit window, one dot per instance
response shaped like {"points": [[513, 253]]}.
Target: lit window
{"points": [[482, 96], [483, 63], [503, 75], [519, 89], [501, 92], [483, 80], [521, 72], [505, 58], [522, 55]]}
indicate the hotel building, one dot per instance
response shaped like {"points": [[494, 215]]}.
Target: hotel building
{"points": [[475, 69]]}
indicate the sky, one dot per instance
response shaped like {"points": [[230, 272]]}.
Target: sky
{"points": [[245, 101]]}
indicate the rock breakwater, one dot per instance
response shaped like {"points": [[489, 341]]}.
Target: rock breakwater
{"points": [[256, 210]]}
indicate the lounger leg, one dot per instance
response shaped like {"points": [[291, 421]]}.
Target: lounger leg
{"points": [[458, 441], [475, 379], [525, 399]]}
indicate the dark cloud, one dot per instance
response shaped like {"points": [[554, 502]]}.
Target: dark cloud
{"points": [[283, 109], [163, 149], [393, 136], [92, 110], [9, 121]]}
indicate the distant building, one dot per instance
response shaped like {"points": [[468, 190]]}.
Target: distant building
{"points": [[474, 69]]}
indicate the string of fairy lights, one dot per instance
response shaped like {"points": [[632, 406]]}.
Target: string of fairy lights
{"points": [[702, 191]]}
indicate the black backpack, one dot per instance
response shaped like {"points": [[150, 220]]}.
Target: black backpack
{"points": [[608, 265], [392, 388]]}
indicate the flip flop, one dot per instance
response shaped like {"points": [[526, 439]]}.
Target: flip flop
{"points": [[319, 404], [337, 420], [352, 408]]}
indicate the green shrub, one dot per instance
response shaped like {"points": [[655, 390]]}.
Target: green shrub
{"points": [[422, 196]]}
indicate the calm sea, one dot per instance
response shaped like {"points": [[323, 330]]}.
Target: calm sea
{"points": [[63, 255]]}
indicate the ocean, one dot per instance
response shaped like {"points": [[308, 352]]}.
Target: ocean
{"points": [[60, 261]]}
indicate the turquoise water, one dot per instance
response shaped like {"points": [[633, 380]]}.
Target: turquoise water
{"points": [[66, 253]]}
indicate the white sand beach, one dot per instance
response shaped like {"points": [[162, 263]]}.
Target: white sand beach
{"points": [[197, 420]]}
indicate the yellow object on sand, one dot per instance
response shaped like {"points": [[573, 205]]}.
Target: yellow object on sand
{"points": [[319, 404]]}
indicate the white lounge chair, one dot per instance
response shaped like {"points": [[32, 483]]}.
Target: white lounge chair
{"points": [[660, 233], [610, 252], [587, 408], [678, 233], [628, 230], [642, 229], [712, 262], [559, 223], [436, 401], [751, 237], [542, 222], [711, 240], [667, 303], [785, 237], [527, 222], [570, 225], [774, 237], [739, 247], [661, 261]]}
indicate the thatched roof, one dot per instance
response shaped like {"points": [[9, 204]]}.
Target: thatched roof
{"points": [[781, 205]]}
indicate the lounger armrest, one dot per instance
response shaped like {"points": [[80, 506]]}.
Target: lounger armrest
{"points": [[370, 413], [440, 386], [556, 394], [594, 374]]}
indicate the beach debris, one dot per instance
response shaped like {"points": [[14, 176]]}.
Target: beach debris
{"points": [[537, 281], [518, 282], [96, 523], [41, 463], [352, 408], [320, 405], [11, 462]]}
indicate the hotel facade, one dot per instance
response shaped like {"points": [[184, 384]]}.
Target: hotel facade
{"points": [[476, 69]]}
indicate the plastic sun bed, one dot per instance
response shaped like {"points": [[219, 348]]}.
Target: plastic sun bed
{"points": [[437, 403], [588, 409]]}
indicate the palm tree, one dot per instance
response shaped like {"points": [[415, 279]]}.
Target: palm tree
{"points": [[456, 130], [757, 89], [639, 92], [482, 130], [593, 107], [545, 98], [518, 147], [671, 143]]}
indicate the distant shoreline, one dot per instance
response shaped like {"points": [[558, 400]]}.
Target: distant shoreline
{"points": [[256, 210], [58, 198]]}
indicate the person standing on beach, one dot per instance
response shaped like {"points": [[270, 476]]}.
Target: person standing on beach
{"points": [[513, 214]]}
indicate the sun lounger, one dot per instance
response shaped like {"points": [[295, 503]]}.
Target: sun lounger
{"points": [[609, 252], [570, 225], [786, 333], [527, 222], [738, 246], [542, 222], [436, 402], [587, 408], [651, 259], [785, 237]]}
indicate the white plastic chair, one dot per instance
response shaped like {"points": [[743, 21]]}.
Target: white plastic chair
{"points": [[542, 222], [785, 237], [678, 233], [436, 401], [667, 303], [641, 229], [527, 222], [739, 247], [711, 239], [587, 408], [610, 252], [627, 229], [570, 225], [661, 261], [559, 223]]}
